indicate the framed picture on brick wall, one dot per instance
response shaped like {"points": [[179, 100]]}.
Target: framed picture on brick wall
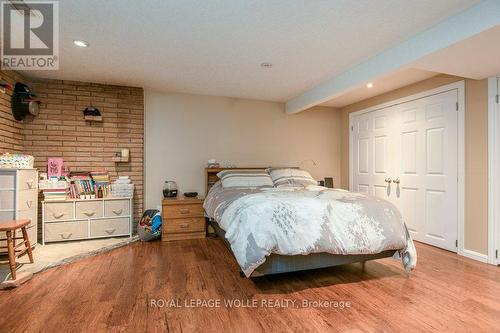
{"points": [[54, 166]]}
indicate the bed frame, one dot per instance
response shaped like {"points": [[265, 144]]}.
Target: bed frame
{"points": [[277, 264]]}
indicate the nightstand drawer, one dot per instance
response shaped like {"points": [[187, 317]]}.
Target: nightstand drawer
{"points": [[184, 225], [181, 211]]}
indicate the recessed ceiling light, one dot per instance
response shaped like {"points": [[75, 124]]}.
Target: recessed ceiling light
{"points": [[81, 43], [369, 85], [266, 65]]}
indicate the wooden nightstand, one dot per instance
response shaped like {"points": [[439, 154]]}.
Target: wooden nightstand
{"points": [[183, 218]]}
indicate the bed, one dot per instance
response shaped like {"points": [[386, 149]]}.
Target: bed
{"points": [[279, 230]]}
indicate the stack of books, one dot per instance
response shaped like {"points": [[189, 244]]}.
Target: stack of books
{"points": [[81, 184], [55, 194], [101, 182], [54, 189]]}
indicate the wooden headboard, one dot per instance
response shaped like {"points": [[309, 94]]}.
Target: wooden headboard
{"points": [[211, 175]]}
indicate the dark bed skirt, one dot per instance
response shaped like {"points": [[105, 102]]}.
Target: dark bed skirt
{"points": [[276, 263]]}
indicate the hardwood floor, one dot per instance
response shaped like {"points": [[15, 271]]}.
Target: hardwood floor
{"points": [[116, 291]]}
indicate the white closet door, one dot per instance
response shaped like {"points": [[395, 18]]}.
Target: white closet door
{"points": [[415, 145], [427, 171], [373, 155], [498, 225]]}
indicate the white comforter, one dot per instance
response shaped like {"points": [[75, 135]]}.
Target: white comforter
{"points": [[312, 220]]}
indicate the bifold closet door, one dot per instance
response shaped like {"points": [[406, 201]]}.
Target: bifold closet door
{"points": [[373, 152], [426, 190], [414, 145]]}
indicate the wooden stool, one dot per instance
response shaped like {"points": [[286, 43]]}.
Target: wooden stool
{"points": [[10, 228]]}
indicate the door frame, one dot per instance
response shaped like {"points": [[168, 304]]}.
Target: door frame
{"points": [[460, 87], [493, 169]]}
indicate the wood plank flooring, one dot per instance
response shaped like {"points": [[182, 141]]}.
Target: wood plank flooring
{"points": [[116, 292]]}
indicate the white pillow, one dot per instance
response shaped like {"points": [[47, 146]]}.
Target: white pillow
{"points": [[245, 178], [291, 177]]}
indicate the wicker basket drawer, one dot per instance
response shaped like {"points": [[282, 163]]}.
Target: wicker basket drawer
{"points": [[109, 227], [27, 180], [28, 214], [28, 199], [116, 208], [184, 225], [181, 211], [88, 209], [62, 231], [57, 211]]}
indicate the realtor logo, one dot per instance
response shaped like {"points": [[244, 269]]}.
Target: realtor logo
{"points": [[29, 35]]}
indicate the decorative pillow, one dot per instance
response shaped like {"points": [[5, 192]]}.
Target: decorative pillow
{"points": [[291, 177], [245, 178]]}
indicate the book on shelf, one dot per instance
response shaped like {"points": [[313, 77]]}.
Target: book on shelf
{"points": [[85, 183], [101, 182]]}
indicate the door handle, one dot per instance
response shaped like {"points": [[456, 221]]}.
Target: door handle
{"points": [[388, 180], [396, 181]]}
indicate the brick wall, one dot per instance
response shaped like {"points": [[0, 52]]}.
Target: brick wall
{"points": [[11, 137], [60, 131]]}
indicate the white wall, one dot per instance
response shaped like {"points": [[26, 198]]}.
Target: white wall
{"points": [[183, 131]]}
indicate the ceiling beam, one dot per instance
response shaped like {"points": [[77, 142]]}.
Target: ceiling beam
{"points": [[468, 23]]}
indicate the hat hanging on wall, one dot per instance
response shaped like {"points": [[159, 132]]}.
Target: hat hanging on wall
{"points": [[92, 114], [24, 102]]}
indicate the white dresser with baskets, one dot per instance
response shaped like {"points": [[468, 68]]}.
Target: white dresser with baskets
{"points": [[78, 219], [19, 198]]}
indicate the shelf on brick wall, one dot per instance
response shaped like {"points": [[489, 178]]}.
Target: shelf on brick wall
{"points": [[93, 118], [118, 159]]}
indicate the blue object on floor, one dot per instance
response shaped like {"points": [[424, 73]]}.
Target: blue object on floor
{"points": [[149, 227]]}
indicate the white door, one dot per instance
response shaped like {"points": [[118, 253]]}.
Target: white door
{"points": [[426, 185], [498, 225], [414, 147], [373, 162]]}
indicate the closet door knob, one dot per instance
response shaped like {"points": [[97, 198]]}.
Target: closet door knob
{"points": [[388, 180], [396, 181]]}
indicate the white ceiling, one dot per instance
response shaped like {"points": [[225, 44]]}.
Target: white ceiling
{"points": [[216, 47]]}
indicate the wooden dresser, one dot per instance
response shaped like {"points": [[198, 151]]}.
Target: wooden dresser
{"points": [[183, 218], [76, 219], [19, 199]]}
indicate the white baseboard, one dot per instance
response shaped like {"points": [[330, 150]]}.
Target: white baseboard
{"points": [[474, 255]]}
